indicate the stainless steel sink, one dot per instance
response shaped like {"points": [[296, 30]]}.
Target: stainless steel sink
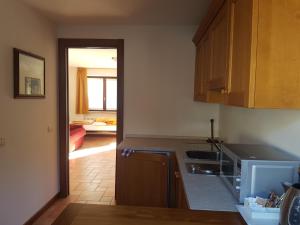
{"points": [[203, 168], [204, 155]]}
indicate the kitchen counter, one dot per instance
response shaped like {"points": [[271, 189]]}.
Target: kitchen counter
{"points": [[85, 214], [203, 192]]}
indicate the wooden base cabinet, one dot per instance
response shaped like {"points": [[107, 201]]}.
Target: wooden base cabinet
{"points": [[149, 179], [263, 57], [181, 201], [142, 179]]}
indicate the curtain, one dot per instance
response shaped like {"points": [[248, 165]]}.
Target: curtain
{"points": [[82, 92]]}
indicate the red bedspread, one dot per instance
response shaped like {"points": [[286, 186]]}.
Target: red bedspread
{"points": [[77, 133]]}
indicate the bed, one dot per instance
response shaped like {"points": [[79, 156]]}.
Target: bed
{"points": [[77, 133], [100, 128]]}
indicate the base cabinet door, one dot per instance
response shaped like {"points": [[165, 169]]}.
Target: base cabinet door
{"points": [[181, 201], [180, 197], [142, 179]]}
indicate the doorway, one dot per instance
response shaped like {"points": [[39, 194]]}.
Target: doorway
{"points": [[91, 140]]}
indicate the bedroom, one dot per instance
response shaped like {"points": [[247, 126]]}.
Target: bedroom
{"points": [[92, 118]]}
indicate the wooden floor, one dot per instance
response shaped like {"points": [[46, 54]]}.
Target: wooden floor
{"points": [[92, 177], [86, 214]]}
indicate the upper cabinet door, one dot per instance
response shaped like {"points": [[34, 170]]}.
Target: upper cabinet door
{"points": [[244, 38], [255, 57], [277, 78], [203, 69], [220, 47], [199, 95]]}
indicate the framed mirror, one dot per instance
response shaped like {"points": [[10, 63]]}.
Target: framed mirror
{"points": [[29, 75]]}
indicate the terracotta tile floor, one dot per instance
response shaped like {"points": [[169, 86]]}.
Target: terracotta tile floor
{"points": [[92, 178]]}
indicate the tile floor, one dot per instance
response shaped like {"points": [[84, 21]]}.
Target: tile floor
{"points": [[92, 178]]}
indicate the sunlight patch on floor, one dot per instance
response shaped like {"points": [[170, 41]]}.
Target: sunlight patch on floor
{"points": [[92, 151]]}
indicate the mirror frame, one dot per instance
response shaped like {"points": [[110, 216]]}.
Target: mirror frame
{"points": [[16, 60]]}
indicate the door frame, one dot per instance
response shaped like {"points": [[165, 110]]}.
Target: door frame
{"points": [[63, 95]]}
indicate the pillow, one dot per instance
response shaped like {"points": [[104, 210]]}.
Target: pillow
{"points": [[82, 122], [99, 119], [99, 123], [108, 121], [111, 122]]}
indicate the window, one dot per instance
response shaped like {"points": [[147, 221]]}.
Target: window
{"points": [[102, 93], [95, 93]]}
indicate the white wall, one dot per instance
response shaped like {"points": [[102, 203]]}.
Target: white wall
{"points": [[29, 160], [104, 72], [279, 128], [159, 76], [72, 94]]}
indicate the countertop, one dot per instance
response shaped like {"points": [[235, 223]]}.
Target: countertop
{"points": [[203, 192], [86, 214]]}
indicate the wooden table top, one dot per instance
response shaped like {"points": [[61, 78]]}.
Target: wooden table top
{"points": [[85, 214]]}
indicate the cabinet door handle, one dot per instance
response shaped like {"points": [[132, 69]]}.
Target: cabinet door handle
{"points": [[127, 152], [224, 91], [177, 174]]}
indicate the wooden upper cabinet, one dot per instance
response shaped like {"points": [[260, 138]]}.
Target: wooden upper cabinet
{"points": [[198, 75], [244, 38], [203, 68], [277, 78], [266, 56], [260, 65], [220, 47], [142, 179]]}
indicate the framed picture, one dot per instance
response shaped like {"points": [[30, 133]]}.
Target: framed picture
{"points": [[32, 86], [29, 75]]}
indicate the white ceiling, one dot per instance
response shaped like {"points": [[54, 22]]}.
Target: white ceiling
{"points": [[122, 12], [93, 58]]}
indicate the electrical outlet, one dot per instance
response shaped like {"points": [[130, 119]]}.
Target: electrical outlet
{"points": [[2, 141]]}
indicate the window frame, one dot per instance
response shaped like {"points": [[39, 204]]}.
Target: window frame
{"points": [[104, 93]]}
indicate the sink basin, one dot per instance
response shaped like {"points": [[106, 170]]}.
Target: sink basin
{"points": [[205, 155], [203, 168]]}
